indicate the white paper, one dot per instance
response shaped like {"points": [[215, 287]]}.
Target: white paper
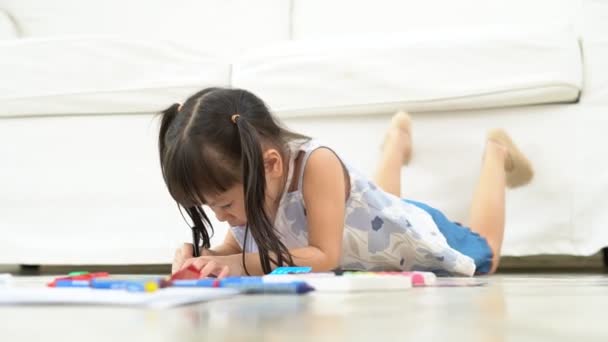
{"points": [[163, 298]]}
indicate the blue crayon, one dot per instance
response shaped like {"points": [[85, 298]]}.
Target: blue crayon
{"points": [[144, 285], [292, 270], [108, 284], [241, 281], [258, 285], [72, 283], [205, 282], [248, 285], [296, 287], [213, 282]]}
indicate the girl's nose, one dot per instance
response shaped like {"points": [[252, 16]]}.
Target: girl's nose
{"points": [[221, 215]]}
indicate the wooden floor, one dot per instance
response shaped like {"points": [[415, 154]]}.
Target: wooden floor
{"points": [[532, 306]]}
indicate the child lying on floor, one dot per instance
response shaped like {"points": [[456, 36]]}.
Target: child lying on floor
{"points": [[290, 200]]}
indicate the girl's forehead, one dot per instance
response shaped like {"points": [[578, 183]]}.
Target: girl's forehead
{"points": [[213, 199]]}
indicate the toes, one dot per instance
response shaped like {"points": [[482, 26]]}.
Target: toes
{"points": [[402, 120], [518, 167]]}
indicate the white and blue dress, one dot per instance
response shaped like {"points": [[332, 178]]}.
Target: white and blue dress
{"points": [[382, 232]]}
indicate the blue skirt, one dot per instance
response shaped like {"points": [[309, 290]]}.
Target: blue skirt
{"points": [[461, 239]]}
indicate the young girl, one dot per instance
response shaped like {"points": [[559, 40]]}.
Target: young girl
{"points": [[291, 201]]}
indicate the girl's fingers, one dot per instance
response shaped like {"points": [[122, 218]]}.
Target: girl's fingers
{"points": [[187, 263], [224, 273], [185, 253], [199, 263], [178, 260], [208, 269], [187, 250], [207, 266]]}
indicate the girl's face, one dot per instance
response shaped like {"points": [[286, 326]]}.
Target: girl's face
{"points": [[229, 206]]}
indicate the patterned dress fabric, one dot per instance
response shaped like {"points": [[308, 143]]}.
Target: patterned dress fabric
{"points": [[382, 231]]}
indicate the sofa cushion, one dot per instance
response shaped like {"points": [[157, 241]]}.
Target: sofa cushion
{"points": [[594, 41], [224, 26], [322, 18], [425, 71], [97, 75]]}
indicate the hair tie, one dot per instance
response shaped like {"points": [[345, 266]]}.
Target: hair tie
{"points": [[235, 118]]}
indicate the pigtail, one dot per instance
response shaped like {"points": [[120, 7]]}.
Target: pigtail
{"points": [[197, 214], [202, 154], [254, 186], [167, 117], [199, 230]]}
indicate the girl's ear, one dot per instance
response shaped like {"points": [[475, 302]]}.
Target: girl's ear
{"points": [[273, 163]]}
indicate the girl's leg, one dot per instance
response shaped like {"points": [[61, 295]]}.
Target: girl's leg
{"points": [[503, 165], [487, 216], [396, 152]]}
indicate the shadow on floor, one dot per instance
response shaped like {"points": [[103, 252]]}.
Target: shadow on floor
{"points": [[535, 264], [29, 270]]}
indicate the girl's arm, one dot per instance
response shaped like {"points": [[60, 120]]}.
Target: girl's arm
{"points": [[228, 247], [324, 190]]}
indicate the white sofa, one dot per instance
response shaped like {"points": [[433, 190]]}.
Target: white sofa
{"points": [[80, 81]]}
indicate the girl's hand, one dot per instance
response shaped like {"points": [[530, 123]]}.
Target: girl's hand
{"points": [[219, 266], [185, 253]]}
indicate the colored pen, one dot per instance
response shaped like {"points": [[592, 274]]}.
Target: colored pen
{"points": [[213, 282], [150, 285], [241, 280], [292, 270], [205, 282], [71, 283], [259, 285], [86, 276], [296, 287], [108, 284], [248, 285], [79, 276]]}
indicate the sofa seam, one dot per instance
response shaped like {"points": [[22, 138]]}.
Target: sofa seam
{"points": [[565, 85], [102, 91], [290, 16], [493, 92], [392, 103], [13, 21]]}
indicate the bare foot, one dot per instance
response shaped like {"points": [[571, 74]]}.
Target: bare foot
{"points": [[398, 139], [517, 166]]}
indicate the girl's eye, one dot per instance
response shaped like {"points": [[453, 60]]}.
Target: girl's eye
{"points": [[227, 206]]}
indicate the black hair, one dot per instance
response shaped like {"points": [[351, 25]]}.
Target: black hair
{"points": [[204, 150]]}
